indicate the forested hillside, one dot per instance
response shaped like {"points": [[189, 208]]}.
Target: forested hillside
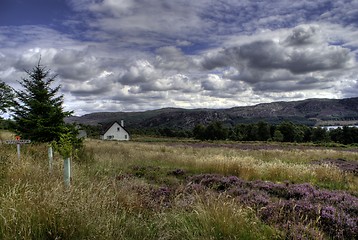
{"points": [[307, 112]]}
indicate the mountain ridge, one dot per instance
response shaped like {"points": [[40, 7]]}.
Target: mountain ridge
{"points": [[313, 111]]}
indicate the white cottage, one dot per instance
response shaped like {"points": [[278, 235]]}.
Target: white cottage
{"points": [[115, 131]]}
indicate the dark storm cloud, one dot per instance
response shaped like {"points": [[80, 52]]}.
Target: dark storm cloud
{"points": [[301, 52], [308, 60], [86, 90], [271, 55], [262, 55], [287, 86], [223, 58]]}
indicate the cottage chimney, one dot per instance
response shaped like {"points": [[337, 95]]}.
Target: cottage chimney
{"points": [[122, 123]]}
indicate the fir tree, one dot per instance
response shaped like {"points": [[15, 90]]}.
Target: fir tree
{"points": [[6, 97], [38, 111]]}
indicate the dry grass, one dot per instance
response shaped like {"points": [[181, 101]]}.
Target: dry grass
{"points": [[272, 165], [34, 204], [6, 135]]}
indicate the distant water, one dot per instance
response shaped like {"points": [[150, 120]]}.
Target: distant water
{"points": [[336, 126]]}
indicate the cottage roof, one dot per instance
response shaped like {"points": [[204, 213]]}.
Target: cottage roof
{"points": [[107, 126]]}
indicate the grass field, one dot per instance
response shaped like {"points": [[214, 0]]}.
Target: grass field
{"points": [[166, 190]]}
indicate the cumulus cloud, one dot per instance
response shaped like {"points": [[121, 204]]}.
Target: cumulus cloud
{"points": [[270, 55], [303, 35], [138, 55], [142, 22], [140, 72], [172, 59], [220, 85], [178, 82], [288, 63], [144, 76], [302, 54], [217, 59], [214, 82], [112, 7]]}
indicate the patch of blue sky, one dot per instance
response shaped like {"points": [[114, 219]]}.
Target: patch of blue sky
{"points": [[197, 47], [39, 12]]}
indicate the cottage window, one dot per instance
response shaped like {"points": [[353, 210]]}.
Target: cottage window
{"points": [[110, 137], [118, 129], [125, 136]]}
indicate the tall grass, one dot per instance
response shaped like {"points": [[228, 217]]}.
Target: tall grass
{"points": [[34, 204], [273, 165], [6, 135], [125, 191], [221, 218]]}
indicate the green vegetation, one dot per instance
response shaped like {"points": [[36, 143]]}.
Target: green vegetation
{"points": [[38, 111], [6, 97], [136, 190], [283, 132]]}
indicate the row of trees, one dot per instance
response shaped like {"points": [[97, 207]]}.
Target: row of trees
{"points": [[37, 108], [284, 132], [261, 131]]}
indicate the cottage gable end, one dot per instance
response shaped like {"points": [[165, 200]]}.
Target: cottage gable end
{"points": [[116, 132]]}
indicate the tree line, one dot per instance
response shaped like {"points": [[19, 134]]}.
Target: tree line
{"points": [[285, 131]]}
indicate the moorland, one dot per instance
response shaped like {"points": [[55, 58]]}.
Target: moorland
{"points": [[180, 189]]}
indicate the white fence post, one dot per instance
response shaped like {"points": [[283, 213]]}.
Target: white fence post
{"points": [[18, 143], [50, 157], [67, 171], [18, 151]]}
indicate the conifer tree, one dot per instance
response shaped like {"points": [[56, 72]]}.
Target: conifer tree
{"points": [[38, 110], [6, 97]]}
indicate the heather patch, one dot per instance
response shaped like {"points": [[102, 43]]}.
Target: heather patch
{"points": [[153, 191], [291, 206], [342, 164]]}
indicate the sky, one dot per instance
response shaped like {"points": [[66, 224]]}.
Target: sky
{"points": [[138, 55]]}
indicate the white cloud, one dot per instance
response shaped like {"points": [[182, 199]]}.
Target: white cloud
{"points": [[141, 71], [116, 8], [139, 55]]}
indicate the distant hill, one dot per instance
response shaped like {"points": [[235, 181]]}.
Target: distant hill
{"points": [[309, 112]]}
